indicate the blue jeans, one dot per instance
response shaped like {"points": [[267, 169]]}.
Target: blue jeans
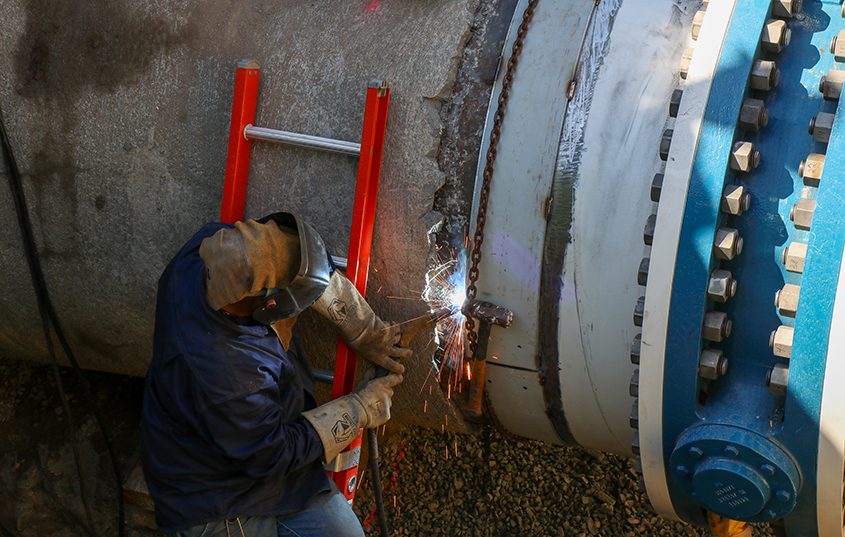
{"points": [[325, 515]]}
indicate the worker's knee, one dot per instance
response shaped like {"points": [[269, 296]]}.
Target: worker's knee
{"points": [[326, 514]]}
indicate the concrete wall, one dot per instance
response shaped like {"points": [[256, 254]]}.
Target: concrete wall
{"points": [[119, 111]]}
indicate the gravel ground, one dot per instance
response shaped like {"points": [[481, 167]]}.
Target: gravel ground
{"points": [[491, 487], [498, 487]]}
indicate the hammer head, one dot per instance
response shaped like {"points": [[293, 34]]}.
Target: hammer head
{"points": [[487, 312]]}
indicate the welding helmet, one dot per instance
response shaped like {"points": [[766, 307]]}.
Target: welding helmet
{"points": [[311, 280]]}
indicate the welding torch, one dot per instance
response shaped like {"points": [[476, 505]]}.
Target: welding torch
{"points": [[412, 328]]}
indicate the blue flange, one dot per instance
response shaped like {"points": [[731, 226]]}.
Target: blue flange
{"points": [[738, 412], [736, 474]]}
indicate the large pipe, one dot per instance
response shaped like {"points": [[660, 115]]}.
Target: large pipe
{"points": [[627, 201]]}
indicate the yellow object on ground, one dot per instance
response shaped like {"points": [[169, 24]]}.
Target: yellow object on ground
{"points": [[725, 527]]}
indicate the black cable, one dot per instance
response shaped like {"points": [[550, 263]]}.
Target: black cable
{"points": [[375, 475], [49, 316]]}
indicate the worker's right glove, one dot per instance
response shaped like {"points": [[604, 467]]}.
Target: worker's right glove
{"points": [[337, 422], [369, 336]]}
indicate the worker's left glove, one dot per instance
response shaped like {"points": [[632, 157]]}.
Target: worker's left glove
{"points": [[370, 337], [337, 422]]}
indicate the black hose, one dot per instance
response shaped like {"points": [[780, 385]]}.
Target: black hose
{"points": [[375, 476], [48, 317]]}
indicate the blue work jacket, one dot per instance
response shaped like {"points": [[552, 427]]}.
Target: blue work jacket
{"points": [[222, 434]]}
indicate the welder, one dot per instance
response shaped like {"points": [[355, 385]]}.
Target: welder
{"points": [[233, 443]]}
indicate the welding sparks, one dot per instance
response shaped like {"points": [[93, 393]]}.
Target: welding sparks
{"points": [[445, 288]]}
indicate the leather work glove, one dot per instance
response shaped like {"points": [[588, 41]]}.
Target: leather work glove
{"points": [[337, 422], [370, 337]]}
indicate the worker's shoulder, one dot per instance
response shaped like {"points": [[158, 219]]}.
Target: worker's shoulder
{"points": [[233, 372]]}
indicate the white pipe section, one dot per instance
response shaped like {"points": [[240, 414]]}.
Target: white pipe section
{"points": [[670, 217], [831, 460], [610, 146]]}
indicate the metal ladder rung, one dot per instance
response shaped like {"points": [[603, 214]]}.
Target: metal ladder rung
{"points": [[252, 132]]}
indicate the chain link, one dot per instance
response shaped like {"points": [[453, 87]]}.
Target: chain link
{"points": [[484, 195]]}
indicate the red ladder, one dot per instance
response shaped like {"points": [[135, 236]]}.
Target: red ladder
{"points": [[242, 132]]}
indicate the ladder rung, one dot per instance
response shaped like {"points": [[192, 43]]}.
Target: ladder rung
{"points": [[340, 262], [252, 132], [323, 375]]}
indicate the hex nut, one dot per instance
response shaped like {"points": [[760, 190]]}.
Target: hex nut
{"points": [[831, 84], [811, 169], [735, 200], [801, 213], [721, 286], [794, 256], [642, 272], [821, 126], [675, 102], [634, 385], [837, 46], [665, 144], [635, 440], [636, 346], [777, 379], [717, 327], [686, 59], [786, 300], [764, 75], [648, 232], [776, 36], [697, 21], [744, 157], [639, 310], [712, 364], [656, 187], [634, 418], [786, 8], [781, 341], [754, 115], [728, 243]]}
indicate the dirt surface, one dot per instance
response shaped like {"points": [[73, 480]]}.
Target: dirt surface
{"points": [[437, 484], [498, 487]]}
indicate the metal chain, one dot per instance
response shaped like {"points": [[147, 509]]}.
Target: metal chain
{"points": [[484, 195]]}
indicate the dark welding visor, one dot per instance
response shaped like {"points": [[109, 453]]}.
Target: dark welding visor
{"points": [[310, 282]]}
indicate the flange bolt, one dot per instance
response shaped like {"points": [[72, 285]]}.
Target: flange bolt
{"points": [[712, 364], [837, 46], [802, 212], [639, 310], [656, 187], [727, 244], [786, 300], [811, 169], [786, 8], [735, 200], [754, 115], [776, 36], [722, 286], [830, 84], [821, 126], [744, 157], [777, 379], [636, 345], [717, 327], [781, 341], [675, 102], [686, 59], [697, 21], [764, 75], [648, 231], [794, 256]]}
